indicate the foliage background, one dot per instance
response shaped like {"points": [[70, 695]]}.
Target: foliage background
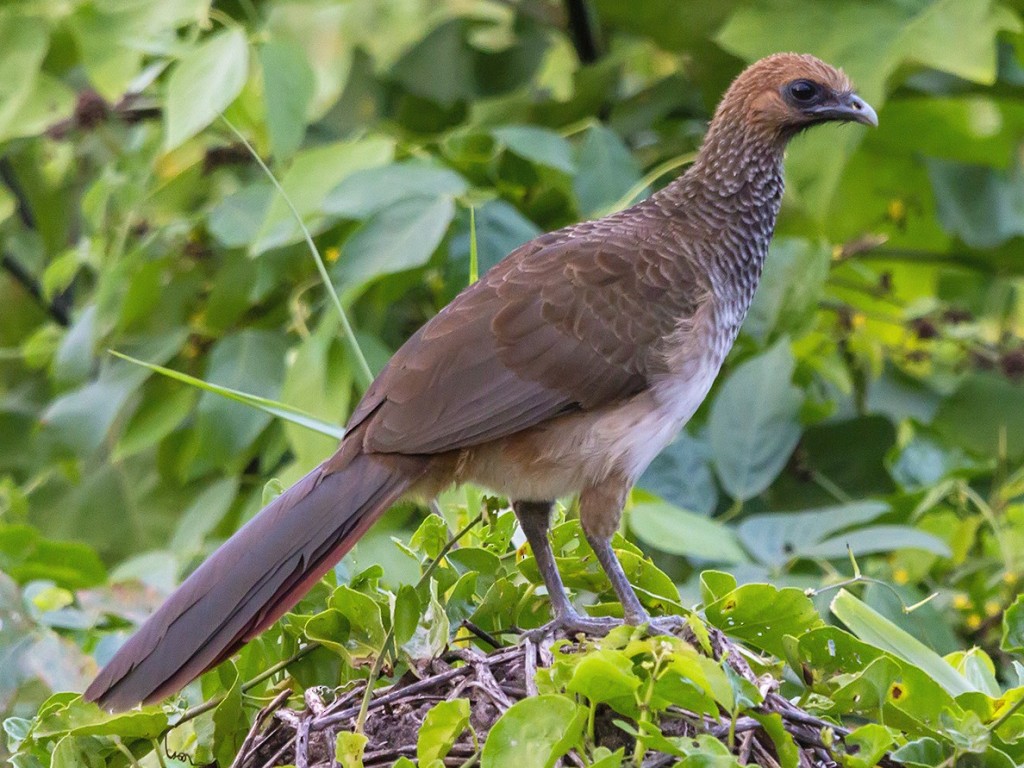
{"points": [[872, 402]]}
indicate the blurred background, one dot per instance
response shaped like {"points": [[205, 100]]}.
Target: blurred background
{"points": [[873, 401]]}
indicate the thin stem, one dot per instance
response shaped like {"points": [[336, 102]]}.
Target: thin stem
{"points": [[649, 178], [378, 664], [126, 752], [1006, 715], [269, 672], [474, 255], [365, 375]]}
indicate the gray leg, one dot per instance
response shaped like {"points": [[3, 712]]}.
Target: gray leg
{"points": [[632, 609], [535, 519], [600, 512]]}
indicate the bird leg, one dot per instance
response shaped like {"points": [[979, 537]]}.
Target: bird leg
{"points": [[535, 520], [600, 512]]}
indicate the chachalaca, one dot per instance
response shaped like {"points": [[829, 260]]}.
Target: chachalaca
{"points": [[565, 369]]}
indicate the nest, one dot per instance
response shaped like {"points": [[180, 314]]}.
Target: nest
{"points": [[493, 682]]}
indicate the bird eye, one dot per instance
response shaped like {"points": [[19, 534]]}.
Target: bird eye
{"points": [[803, 91]]}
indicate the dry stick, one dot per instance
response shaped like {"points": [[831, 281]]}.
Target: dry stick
{"points": [[250, 737], [206, 706], [346, 714], [302, 745]]}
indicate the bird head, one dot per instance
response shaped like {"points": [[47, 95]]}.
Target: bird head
{"points": [[781, 95]]}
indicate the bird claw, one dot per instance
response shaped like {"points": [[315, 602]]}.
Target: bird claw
{"points": [[667, 625], [570, 625]]}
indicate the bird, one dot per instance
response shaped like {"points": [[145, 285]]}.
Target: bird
{"points": [[564, 370]]}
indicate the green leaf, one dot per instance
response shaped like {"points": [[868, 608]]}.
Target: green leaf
{"points": [[204, 83], [538, 145], [670, 529], [164, 407], [785, 747], [83, 418], [920, 753], [605, 676], [967, 417], [877, 538], [606, 170], [318, 382], [754, 423], [791, 285], [776, 538], [25, 555], [500, 229], [867, 688], [288, 90], [682, 475], [441, 728], [203, 516], [351, 627], [762, 615], [715, 585], [978, 668], [22, 110], [79, 718], [867, 745], [874, 628], [431, 537], [432, 633], [398, 238], [229, 721], [914, 701], [982, 206], [312, 174], [534, 732], [349, 748], [1013, 627], [371, 191], [416, 69], [252, 359], [406, 614]]}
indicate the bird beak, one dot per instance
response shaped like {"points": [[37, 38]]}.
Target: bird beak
{"points": [[850, 108]]}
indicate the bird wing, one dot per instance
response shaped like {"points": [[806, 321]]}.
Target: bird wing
{"points": [[569, 321]]}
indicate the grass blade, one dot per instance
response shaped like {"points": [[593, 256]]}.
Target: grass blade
{"points": [[872, 627], [474, 256], [273, 407], [364, 374]]}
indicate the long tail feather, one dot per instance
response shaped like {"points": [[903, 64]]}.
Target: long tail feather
{"points": [[252, 579]]}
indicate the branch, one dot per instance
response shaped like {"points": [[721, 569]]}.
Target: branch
{"points": [[59, 308], [582, 31], [56, 309]]}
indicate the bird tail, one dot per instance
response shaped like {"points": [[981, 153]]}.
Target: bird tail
{"points": [[254, 577]]}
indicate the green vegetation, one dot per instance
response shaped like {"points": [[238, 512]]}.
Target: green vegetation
{"points": [[848, 505]]}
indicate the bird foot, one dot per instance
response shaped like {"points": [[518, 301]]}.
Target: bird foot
{"points": [[667, 625], [571, 624]]}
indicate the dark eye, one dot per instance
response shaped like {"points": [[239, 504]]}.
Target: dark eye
{"points": [[804, 91]]}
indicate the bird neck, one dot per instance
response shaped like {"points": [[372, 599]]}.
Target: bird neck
{"points": [[725, 205]]}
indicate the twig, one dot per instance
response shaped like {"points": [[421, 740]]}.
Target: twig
{"points": [[56, 309], [250, 737], [269, 672]]}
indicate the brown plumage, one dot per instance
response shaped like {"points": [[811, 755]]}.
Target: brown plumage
{"points": [[564, 370]]}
